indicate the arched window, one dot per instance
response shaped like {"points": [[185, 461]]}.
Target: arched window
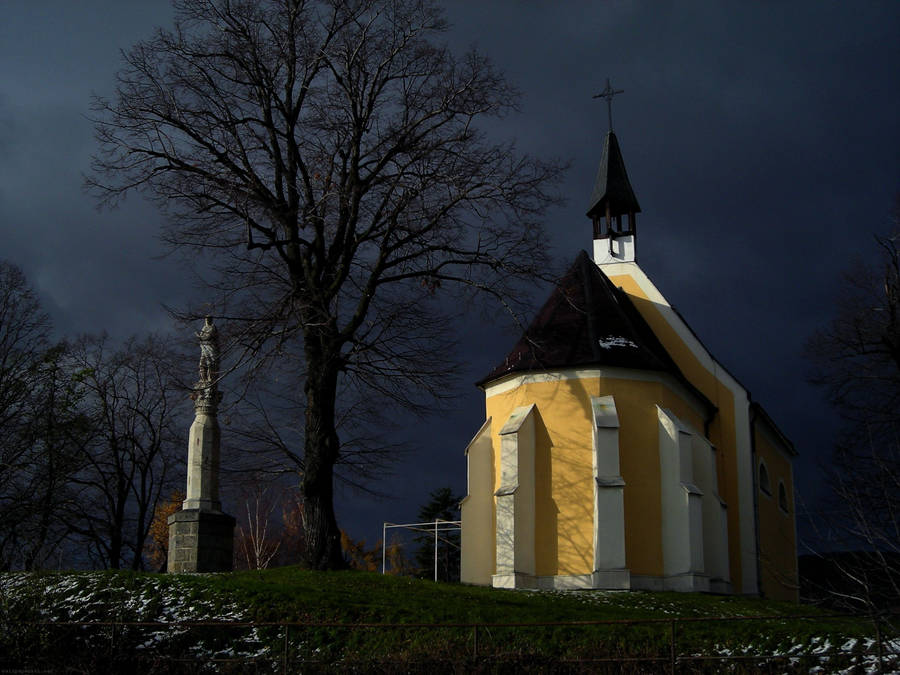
{"points": [[782, 497], [764, 479]]}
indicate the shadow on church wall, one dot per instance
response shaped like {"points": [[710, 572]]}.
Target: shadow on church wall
{"points": [[545, 506]]}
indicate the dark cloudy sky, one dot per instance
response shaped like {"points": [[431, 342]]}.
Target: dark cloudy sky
{"points": [[761, 138]]}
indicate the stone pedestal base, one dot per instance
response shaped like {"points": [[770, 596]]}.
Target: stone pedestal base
{"points": [[200, 541]]}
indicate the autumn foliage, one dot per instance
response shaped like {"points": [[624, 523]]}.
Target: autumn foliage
{"points": [[157, 548], [356, 555]]}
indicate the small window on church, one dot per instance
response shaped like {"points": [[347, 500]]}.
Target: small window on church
{"points": [[764, 479], [782, 497]]}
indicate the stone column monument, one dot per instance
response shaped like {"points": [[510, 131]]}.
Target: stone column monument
{"points": [[201, 537]]}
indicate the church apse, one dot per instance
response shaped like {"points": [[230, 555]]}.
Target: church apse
{"points": [[639, 447]]}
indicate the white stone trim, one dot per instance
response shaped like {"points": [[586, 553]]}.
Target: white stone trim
{"points": [[691, 582], [682, 514], [715, 514], [516, 419], [513, 580], [513, 381], [484, 427], [611, 579], [605, 415], [609, 505], [515, 555], [604, 579], [619, 580], [623, 249]]}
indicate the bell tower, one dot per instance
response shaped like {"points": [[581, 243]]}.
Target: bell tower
{"points": [[613, 206]]}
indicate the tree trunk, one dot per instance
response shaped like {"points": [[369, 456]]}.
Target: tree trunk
{"points": [[321, 446]]}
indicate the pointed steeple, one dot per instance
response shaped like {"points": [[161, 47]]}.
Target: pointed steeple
{"points": [[612, 195], [612, 198]]}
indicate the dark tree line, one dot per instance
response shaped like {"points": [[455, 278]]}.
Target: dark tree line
{"points": [[91, 438]]}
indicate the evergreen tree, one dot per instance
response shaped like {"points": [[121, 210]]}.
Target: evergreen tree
{"points": [[443, 505]]}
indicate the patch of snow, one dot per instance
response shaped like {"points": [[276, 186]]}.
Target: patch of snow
{"points": [[612, 341], [825, 646], [93, 596], [849, 645]]}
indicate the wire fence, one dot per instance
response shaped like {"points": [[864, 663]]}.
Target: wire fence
{"points": [[622, 646]]}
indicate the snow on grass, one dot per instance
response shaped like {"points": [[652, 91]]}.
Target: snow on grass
{"points": [[99, 597], [860, 655], [171, 599]]}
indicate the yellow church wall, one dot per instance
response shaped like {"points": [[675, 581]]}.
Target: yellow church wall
{"points": [[777, 536], [563, 487], [723, 435], [564, 490], [478, 537], [639, 463], [722, 429], [683, 410]]}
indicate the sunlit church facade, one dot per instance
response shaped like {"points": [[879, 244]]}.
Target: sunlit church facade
{"points": [[616, 452]]}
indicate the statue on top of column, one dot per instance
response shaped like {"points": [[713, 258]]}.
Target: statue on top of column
{"points": [[206, 393], [209, 352]]}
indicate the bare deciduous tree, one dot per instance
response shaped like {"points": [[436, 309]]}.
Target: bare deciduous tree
{"points": [[39, 428], [326, 154], [133, 403], [90, 436], [857, 360], [24, 335], [24, 330], [258, 536]]}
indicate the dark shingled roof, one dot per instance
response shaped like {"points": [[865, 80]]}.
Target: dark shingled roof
{"points": [[612, 184], [587, 321]]}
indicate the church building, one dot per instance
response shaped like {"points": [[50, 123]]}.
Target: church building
{"points": [[616, 452]]}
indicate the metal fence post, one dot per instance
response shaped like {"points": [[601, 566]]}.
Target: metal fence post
{"points": [[284, 656], [879, 643], [672, 656]]}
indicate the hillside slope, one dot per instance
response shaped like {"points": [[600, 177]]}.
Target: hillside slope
{"points": [[224, 621]]}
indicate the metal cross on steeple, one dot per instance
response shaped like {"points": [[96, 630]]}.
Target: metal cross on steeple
{"points": [[608, 94]]}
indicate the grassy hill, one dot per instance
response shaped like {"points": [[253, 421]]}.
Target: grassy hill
{"points": [[359, 621]]}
